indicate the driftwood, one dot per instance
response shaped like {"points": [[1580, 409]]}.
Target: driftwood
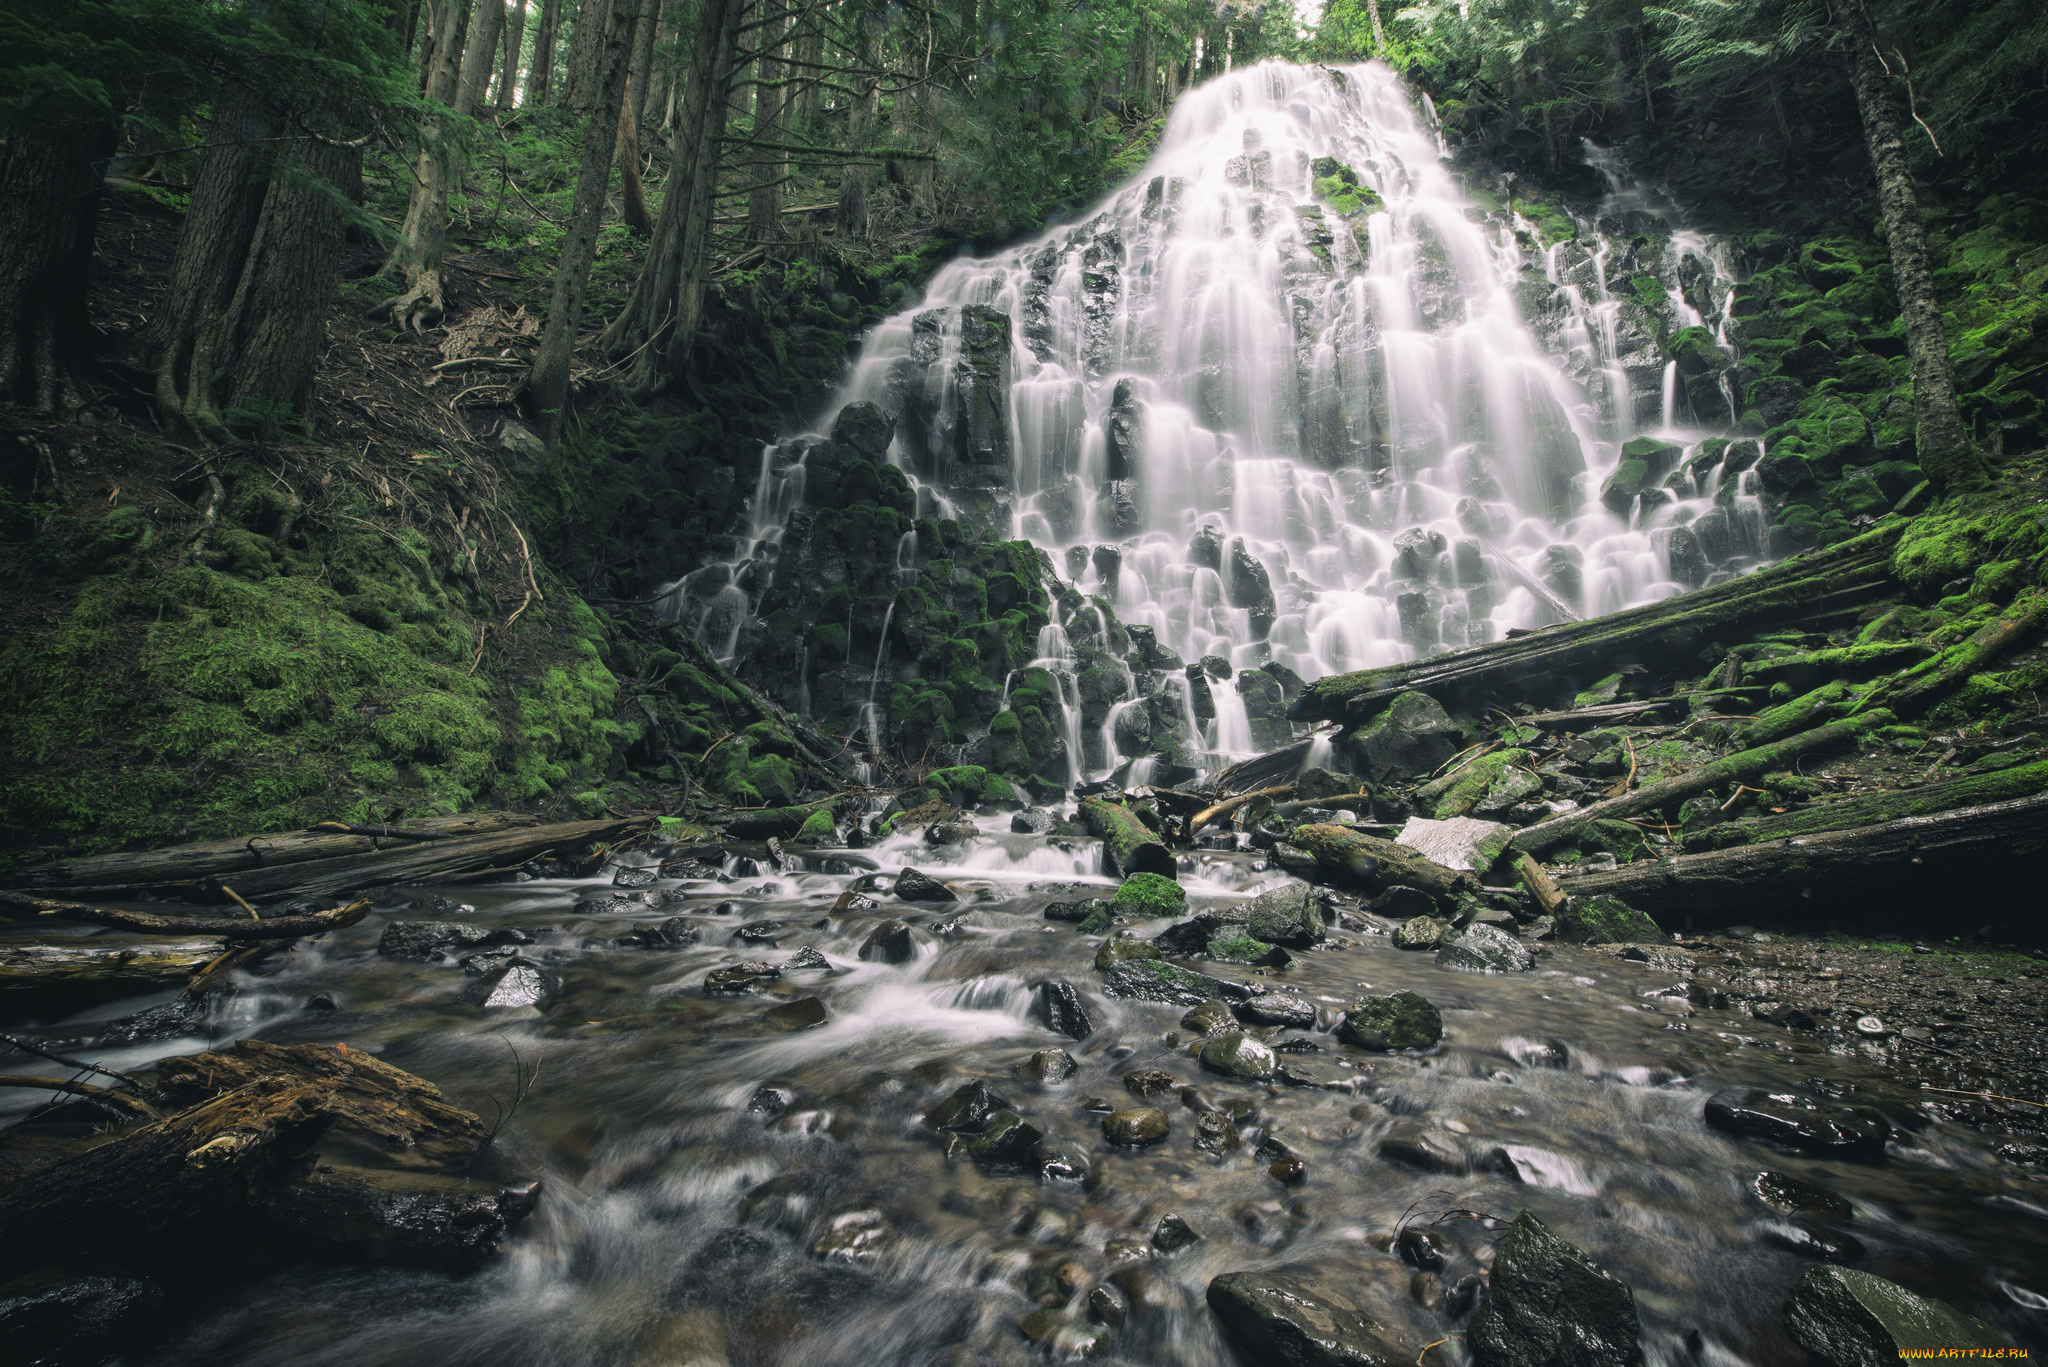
{"points": [[1261, 771], [1908, 870], [119, 1102], [1666, 631], [1128, 844], [217, 858], [1217, 811], [1334, 800], [1345, 856], [1735, 768], [1549, 897], [44, 979], [227, 927]]}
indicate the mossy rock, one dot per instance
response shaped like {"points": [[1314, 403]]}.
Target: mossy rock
{"points": [[817, 827], [1604, 920], [1396, 1020], [1149, 895]]}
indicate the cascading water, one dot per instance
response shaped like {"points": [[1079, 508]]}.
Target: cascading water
{"points": [[1304, 408]]}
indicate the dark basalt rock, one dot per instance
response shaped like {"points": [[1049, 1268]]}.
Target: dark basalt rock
{"points": [[1402, 903], [1006, 1143], [1831, 1131], [445, 939], [1288, 916], [1790, 1196], [1413, 737], [865, 429], [677, 932], [744, 977], [376, 1215], [1247, 584], [1548, 1305], [1051, 1066], [182, 1016], [1852, 1319], [1073, 911], [913, 886], [1301, 1317], [1058, 1007], [1397, 1020], [75, 1317], [1277, 1008], [634, 877], [891, 942], [1154, 980], [613, 905], [1174, 1234], [967, 1109], [1034, 821]]}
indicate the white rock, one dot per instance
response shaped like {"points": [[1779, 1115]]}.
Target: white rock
{"points": [[1463, 842]]}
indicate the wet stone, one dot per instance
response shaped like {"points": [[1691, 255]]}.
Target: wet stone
{"points": [[1795, 1122], [1277, 1008], [1418, 1248], [744, 977], [771, 1100], [855, 1236], [1296, 1071], [1239, 1055], [1289, 916], [1070, 911], [912, 886], [968, 1108], [1052, 1065], [1062, 1160], [1486, 949], [614, 905], [677, 932], [63, 1316], [634, 877], [515, 985], [1174, 1234], [1006, 1143], [1852, 1319], [891, 942], [809, 959], [1150, 1082], [1106, 1307], [1302, 1317], [1548, 1305], [1034, 821], [1402, 903], [1416, 1145], [430, 939], [1118, 948], [1135, 1126], [1421, 932], [1057, 1006], [1215, 1133], [758, 933], [1157, 981], [1211, 1017], [1790, 1196], [804, 1013], [1397, 1020], [1807, 1241]]}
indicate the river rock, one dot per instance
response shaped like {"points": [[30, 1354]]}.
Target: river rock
{"points": [[1192, 936], [809, 959], [1072, 911], [1239, 1055], [1211, 1017], [677, 932], [1288, 916], [1147, 1083], [1135, 1126], [1277, 1008], [913, 886], [758, 933], [1486, 949], [1796, 1122], [1057, 1006], [1051, 1065], [1548, 1305], [743, 977], [1852, 1319], [1118, 948], [945, 833], [1006, 1142], [1420, 932], [1811, 1241], [1462, 842], [1396, 1020], [62, 1316], [891, 942], [1410, 740], [1062, 1160], [1604, 921], [1790, 1196], [1302, 1317], [1154, 980], [1216, 1133], [1400, 903], [805, 1013], [967, 1109], [434, 939], [1034, 821], [1424, 1147], [516, 984]]}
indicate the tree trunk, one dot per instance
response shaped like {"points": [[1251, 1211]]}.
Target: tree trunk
{"points": [[1379, 35], [1344, 856], [771, 106], [1943, 447], [660, 317], [543, 53], [810, 50], [547, 388], [515, 39], [1128, 844], [632, 193], [422, 238], [586, 56], [850, 219], [48, 215]]}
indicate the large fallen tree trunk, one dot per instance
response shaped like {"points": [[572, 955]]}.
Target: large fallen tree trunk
{"points": [[1735, 768], [224, 858], [1914, 691], [1128, 844], [1901, 871], [1870, 809], [41, 979], [1540, 662], [410, 862], [227, 927], [1347, 857]]}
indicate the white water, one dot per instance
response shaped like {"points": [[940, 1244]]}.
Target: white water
{"points": [[1314, 407]]}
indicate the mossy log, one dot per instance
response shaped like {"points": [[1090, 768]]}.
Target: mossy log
{"points": [[1870, 809], [414, 862], [1128, 844], [1914, 691], [40, 980], [1905, 872], [1217, 811], [1735, 768], [1667, 631], [1345, 856], [224, 858], [1838, 662], [227, 927], [1549, 897]]}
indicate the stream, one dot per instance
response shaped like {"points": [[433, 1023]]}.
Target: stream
{"points": [[718, 1190]]}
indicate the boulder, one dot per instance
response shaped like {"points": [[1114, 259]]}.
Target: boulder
{"points": [[1118, 948], [891, 942], [1461, 842], [1395, 1020], [1602, 920], [1135, 1126], [516, 984], [968, 1108], [1239, 1055], [1057, 1006], [1033, 821], [1277, 1008], [1548, 1305], [866, 429], [443, 939], [1302, 1317], [1400, 903], [913, 886], [1796, 1122], [805, 1013], [1211, 1017], [1424, 1148], [1051, 1065], [1288, 916], [1420, 932], [1486, 949], [1852, 1319], [1006, 1143], [1411, 739], [1155, 980]]}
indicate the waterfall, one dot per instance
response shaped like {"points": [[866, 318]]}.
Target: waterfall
{"points": [[1299, 402]]}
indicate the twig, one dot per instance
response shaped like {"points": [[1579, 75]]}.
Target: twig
{"points": [[28, 1048], [114, 1100], [239, 902], [1988, 1096]]}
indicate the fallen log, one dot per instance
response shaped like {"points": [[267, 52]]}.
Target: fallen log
{"points": [[1217, 811], [1901, 872], [1261, 771], [1333, 801], [1128, 844], [1549, 897], [1345, 856], [1735, 768], [1912, 692], [227, 927], [1870, 809], [1670, 630], [121, 1103], [186, 863], [40, 980]]}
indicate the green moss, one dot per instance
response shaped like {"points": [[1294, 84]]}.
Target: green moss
{"points": [[1476, 780], [1603, 921], [1150, 895], [1239, 949], [1952, 541]]}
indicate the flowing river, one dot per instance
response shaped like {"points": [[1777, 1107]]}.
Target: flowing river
{"points": [[717, 1190]]}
